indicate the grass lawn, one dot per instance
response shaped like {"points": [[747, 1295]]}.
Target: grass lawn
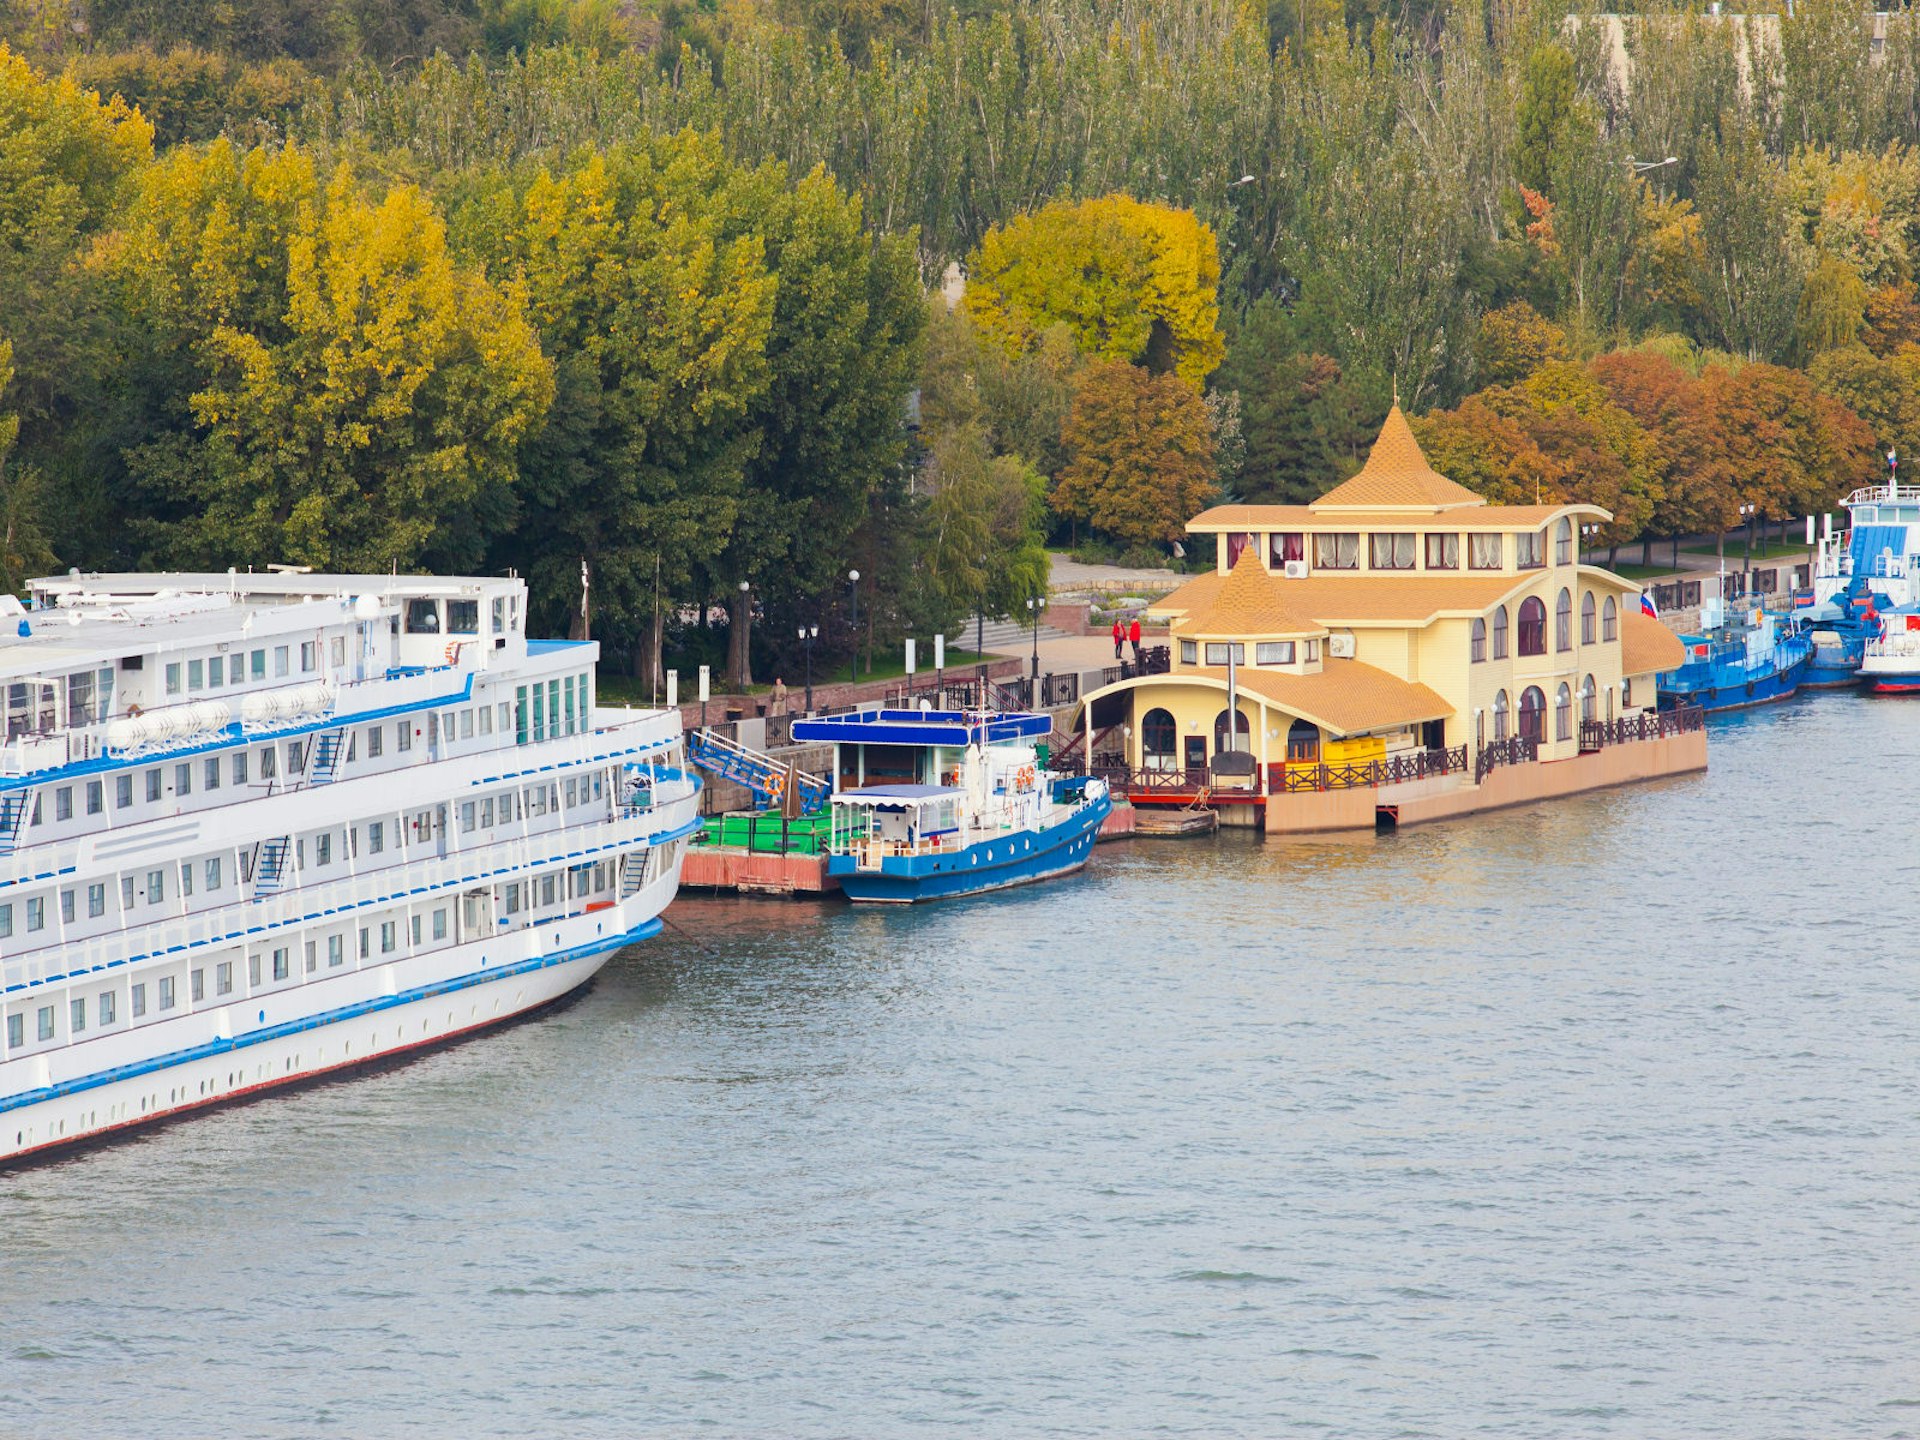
{"points": [[1641, 572], [1737, 549], [627, 690]]}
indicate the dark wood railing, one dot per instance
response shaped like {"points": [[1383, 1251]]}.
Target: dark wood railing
{"points": [[1596, 734], [1514, 750], [1154, 660], [1366, 774]]}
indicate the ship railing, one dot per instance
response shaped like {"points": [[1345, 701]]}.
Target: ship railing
{"points": [[1886, 494], [1648, 725], [410, 877]]}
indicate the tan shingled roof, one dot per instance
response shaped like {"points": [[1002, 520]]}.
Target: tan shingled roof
{"points": [[1249, 601], [1345, 599], [1646, 646], [1397, 477], [1236, 518], [1345, 697]]}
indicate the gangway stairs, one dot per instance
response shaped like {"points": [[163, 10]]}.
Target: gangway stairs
{"points": [[14, 810], [328, 751], [270, 866], [763, 775]]}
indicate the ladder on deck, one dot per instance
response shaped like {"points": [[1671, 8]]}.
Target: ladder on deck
{"points": [[765, 776], [328, 753], [14, 810], [270, 866], [633, 872]]}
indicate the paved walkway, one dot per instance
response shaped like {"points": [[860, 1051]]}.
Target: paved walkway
{"points": [[1069, 574]]}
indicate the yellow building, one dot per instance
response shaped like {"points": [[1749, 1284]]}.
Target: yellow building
{"points": [[1399, 628]]}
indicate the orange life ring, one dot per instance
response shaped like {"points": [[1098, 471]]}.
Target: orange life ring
{"points": [[453, 652]]}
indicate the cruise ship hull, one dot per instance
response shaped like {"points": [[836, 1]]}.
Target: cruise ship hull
{"points": [[348, 1022]]}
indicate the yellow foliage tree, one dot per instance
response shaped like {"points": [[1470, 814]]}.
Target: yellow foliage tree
{"points": [[1133, 282]]}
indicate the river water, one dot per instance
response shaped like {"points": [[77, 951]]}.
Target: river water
{"points": [[1590, 1119]]}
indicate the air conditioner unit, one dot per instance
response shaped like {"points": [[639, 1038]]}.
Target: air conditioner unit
{"points": [[1340, 647], [1296, 569]]}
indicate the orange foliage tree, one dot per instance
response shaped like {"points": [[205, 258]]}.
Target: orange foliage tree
{"points": [[1142, 461]]}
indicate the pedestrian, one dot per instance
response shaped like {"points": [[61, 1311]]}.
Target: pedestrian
{"points": [[1119, 636], [779, 697], [1133, 634]]}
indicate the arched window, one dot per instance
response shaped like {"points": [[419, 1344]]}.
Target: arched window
{"points": [[1563, 543], [1563, 713], [1479, 651], [1610, 620], [1159, 738], [1303, 742], [1220, 732], [1500, 716], [1563, 621], [1586, 618], [1500, 633], [1533, 626], [1587, 698], [1533, 714]]}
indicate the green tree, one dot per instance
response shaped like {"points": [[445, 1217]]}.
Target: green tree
{"points": [[1753, 266], [1142, 455], [1546, 105], [315, 379], [24, 552]]}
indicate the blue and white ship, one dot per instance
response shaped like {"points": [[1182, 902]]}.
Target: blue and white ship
{"points": [[255, 829], [1862, 575], [933, 804], [1735, 662]]}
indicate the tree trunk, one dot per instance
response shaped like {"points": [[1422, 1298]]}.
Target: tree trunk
{"points": [[647, 667], [1646, 551], [740, 639]]}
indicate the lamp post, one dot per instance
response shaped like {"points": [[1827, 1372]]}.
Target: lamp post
{"points": [[809, 634], [853, 585], [1033, 686], [743, 672], [1641, 167]]}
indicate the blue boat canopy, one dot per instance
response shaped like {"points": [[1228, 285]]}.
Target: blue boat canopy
{"points": [[886, 797], [921, 727]]}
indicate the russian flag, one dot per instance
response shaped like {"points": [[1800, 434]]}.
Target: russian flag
{"points": [[1646, 605]]}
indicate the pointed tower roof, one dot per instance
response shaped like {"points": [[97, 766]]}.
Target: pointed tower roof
{"points": [[1397, 477], [1250, 602]]}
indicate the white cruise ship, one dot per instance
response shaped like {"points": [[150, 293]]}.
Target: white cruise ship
{"points": [[255, 828]]}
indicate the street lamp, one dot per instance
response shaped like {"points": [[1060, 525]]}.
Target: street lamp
{"points": [[1243, 180], [1033, 615], [809, 634], [1747, 512], [853, 584], [1641, 167]]}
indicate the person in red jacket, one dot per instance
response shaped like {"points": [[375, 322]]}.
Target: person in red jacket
{"points": [[1119, 638], [1133, 634]]}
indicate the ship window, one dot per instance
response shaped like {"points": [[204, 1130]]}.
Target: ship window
{"points": [[268, 762], [96, 797], [388, 937], [405, 738], [506, 715], [366, 942], [217, 671], [16, 1031], [539, 712], [126, 892], [463, 617], [186, 878], [213, 873], [466, 724], [37, 913], [173, 677], [486, 813], [211, 772], [309, 656], [466, 817], [258, 664], [499, 614], [107, 1007], [196, 675], [253, 969], [423, 617], [513, 899], [6, 921], [296, 756], [339, 650], [440, 924], [572, 795], [123, 790], [416, 931], [280, 666], [376, 742], [167, 985], [1610, 620], [376, 837], [156, 886], [96, 900], [486, 719], [139, 994], [280, 962], [223, 978], [336, 951], [546, 889], [197, 986], [45, 1022], [77, 1015], [1483, 552], [153, 784], [240, 767], [63, 803], [66, 906], [323, 848], [183, 778]]}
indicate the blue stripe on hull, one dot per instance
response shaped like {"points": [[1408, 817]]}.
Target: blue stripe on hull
{"points": [[645, 931], [1779, 685], [989, 865]]}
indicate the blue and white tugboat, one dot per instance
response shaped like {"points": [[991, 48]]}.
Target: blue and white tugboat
{"points": [[1735, 662], [1863, 575], [932, 804]]}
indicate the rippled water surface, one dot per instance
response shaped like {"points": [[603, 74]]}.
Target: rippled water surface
{"points": [[1592, 1119]]}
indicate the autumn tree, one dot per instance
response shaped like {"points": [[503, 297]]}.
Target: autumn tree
{"points": [[1141, 450], [312, 377], [1515, 341], [1133, 282], [23, 548], [1671, 408]]}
